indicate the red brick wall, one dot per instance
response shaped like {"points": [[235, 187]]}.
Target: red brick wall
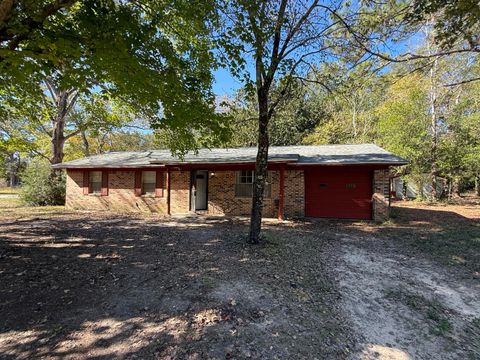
{"points": [[121, 196], [222, 200], [179, 192], [294, 199], [221, 194], [381, 195]]}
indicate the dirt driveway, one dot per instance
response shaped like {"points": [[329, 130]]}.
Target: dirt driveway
{"points": [[97, 286]]}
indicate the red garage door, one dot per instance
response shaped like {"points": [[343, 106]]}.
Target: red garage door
{"points": [[338, 192]]}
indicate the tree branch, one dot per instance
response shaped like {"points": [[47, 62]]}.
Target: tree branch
{"points": [[276, 39], [408, 56], [296, 28], [35, 22], [73, 133], [463, 82]]}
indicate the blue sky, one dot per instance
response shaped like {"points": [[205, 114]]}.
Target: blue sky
{"points": [[225, 83]]}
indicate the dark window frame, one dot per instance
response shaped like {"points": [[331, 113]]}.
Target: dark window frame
{"points": [[244, 180], [92, 186], [153, 185]]}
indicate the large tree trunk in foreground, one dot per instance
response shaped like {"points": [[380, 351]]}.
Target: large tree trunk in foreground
{"points": [[260, 167], [64, 101]]}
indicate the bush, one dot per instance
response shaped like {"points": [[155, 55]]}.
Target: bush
{"points": [[41, 185]]}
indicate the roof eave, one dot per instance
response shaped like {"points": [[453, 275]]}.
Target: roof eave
{"points": [[386, 163], [68, 166]]}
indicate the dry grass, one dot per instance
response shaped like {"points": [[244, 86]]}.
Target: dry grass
{"points": [[447, 233], [13, 208], [9, 190]]}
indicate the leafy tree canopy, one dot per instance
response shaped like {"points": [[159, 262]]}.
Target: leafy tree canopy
{"points": [[454, 20], [153, 55]]}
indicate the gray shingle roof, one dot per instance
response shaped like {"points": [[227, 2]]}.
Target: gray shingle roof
{"points": [[314, 154]]}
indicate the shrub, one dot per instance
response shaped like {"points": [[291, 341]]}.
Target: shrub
{"points": [[41, 185]]}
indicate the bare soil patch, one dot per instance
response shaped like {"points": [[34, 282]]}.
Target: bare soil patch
{"points": [[406, 307], [84, 286]]}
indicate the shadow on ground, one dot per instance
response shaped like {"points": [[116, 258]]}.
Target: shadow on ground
{"points": [[95, 286]]}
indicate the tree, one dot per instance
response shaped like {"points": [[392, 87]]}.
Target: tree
{"points": [[403, 126], [54, 115], [459, 148], [284, 39], [295, 117], [349, 106], [455, 20], [153, 55]]}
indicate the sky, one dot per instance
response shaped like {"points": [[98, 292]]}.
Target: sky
{"points": [[224, 83]]}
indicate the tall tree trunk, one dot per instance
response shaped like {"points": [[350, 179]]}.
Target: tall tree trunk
{"points": [[477, 184], [354, 119], [11, 170], [86, 145], [456, 187], [433, 129], [433, 99], [260, 167], [58, 133]]}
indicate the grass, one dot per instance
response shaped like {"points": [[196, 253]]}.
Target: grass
{"points": [[9, 190], [432, 310], [439, 232], [15, 207], [6, 203]]}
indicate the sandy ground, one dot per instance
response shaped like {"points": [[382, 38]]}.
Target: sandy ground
{"points": [[102, 286], [406, 307]]}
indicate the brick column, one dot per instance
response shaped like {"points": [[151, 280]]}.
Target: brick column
{"points": [[281, 190], [381, 195], [167, 188]]}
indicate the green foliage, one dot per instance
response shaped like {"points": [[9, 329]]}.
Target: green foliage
{"points": [[330, 132], [403, 122], [454, 20], [117, 140], [294, 118], [41, 186], [349, 107], [153, 55]]}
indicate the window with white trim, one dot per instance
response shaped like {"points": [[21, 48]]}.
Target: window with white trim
{"points": [[95, 182], [244, 184], [148, 182]]}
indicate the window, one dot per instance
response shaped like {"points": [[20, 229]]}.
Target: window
{"points": [[95, 182], [148, 182], [244, 184]]}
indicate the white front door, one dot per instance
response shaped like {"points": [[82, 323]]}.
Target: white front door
{"points": [[201, 185]]}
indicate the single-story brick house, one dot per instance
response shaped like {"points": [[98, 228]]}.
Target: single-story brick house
{"points": [[333, 181]]}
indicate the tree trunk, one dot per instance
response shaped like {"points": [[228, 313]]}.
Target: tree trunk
{"points": [[433, 125], [455, 187], [260, 167], [477, 184], [58, 134], [86, 145]]}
